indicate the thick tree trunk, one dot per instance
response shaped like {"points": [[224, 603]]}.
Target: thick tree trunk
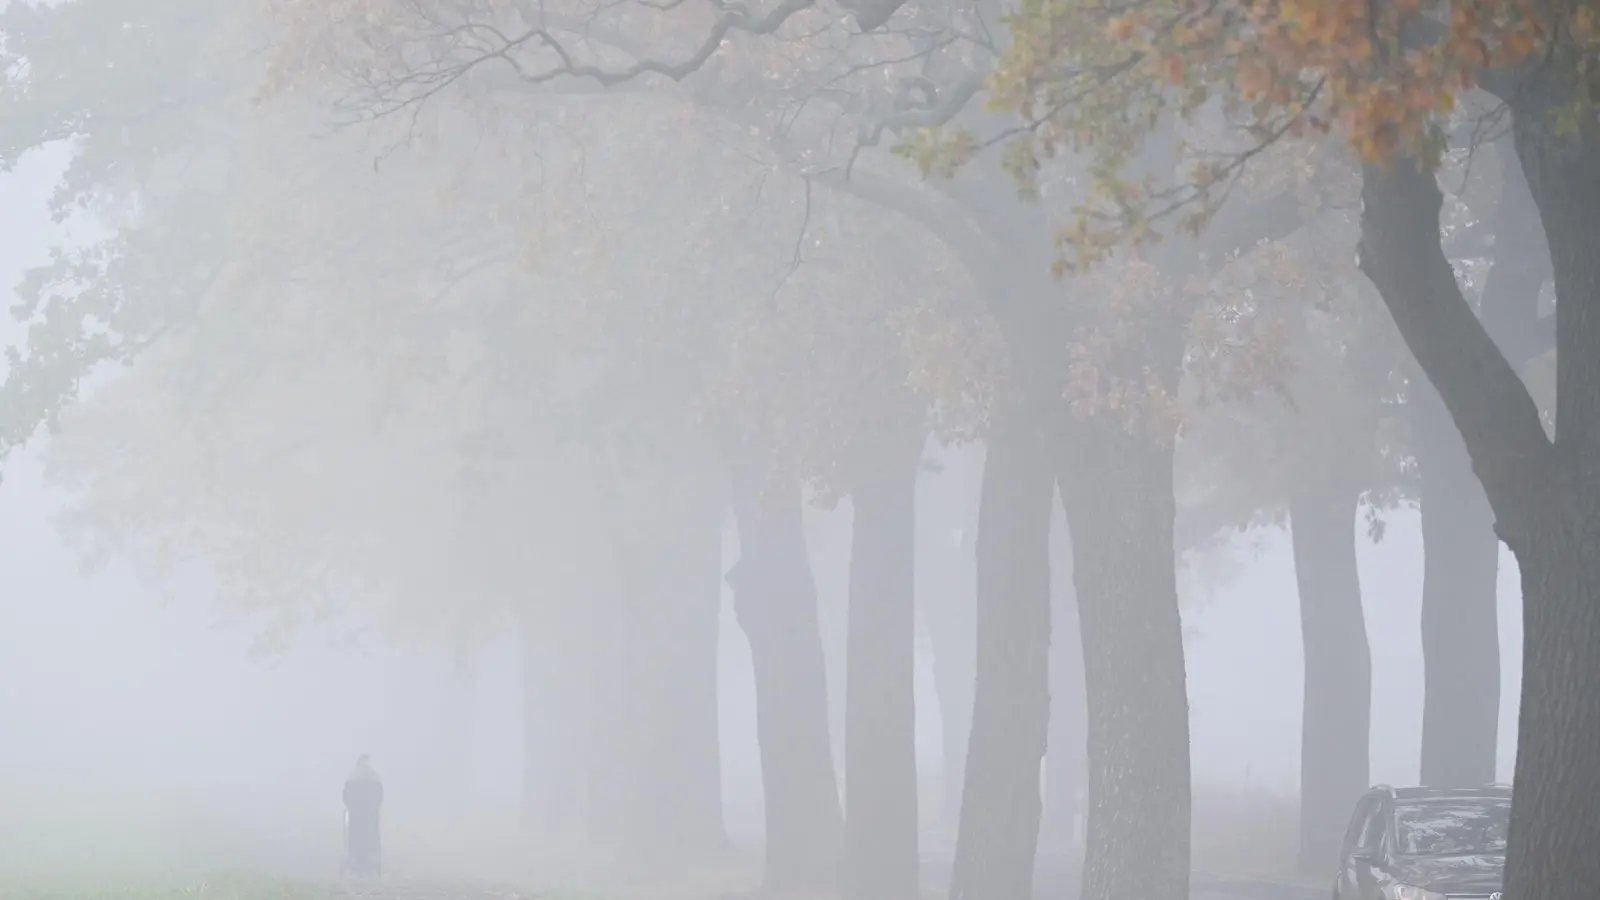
{"points": [[1118, 494], [1460, 618], [880, 838], [1336, 712], [950, 623], [1543, 492], [775, 602], [1065, 762], [675, 774], [1000, 806], [1556, 818], [946, 587], [1555, 532], [828, 547]]}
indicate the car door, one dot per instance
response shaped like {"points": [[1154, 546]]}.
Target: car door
{"points": [[1348, 885], [1370, 857]]}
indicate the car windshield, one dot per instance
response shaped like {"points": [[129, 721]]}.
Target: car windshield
{"points": [[1453, 827]]}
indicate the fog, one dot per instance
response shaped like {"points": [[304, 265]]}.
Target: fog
{"points": [[147, 709], [139, 706], [531, 435]]}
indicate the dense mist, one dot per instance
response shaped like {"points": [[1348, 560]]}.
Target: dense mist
{"points": [[799, 449]]}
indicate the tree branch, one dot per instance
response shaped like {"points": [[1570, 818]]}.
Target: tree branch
{"points": [[1401, 252], [732, 17], [411, 83]]}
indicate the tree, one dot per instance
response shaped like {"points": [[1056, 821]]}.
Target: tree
{"points": [[1383, 76], [322, 255], [1140, 761], [1460, 617], [1000, 819], [1321, 441], [946, 600], [248, 335], [858, 425]]}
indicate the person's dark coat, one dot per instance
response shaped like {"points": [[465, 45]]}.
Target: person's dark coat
{"points": [[363, 800]]}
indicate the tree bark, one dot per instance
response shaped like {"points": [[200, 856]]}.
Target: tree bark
{"points": [[1460, 627], [950, 624], [1118, 494], [1460, 617], [1556, 816], [1555, 531], [828, 546], [1543, 491], [946, 587], [1336, 713], [775, 602], [1065, 762], [880, 837], [1000, 806], [674, 788]]}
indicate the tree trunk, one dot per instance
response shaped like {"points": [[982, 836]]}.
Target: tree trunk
{"points": [[946, 586], [554, 731], [1550, 522], [880, 837], [1336, 712], [1460, 619], [828, 548], [1118, 494], [1065, 763], [675, 771], [775, 602], [1556, 817], [950, 623], [1460, 627], [1000, 808], [1543, 491]]}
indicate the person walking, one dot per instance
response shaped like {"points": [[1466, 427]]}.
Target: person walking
{"points": [[363, 799]]}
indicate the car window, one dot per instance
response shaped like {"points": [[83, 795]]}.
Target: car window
{"points": [[1372, 837], [1453, 827], [1358, 823]]}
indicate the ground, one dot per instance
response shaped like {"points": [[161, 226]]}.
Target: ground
{"points": [[255, 887], [1244, 845], [1057, 882]]}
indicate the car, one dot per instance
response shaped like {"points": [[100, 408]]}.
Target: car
{"points": [[1420, 843]]}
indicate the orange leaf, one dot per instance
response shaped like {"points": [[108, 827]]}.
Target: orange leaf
{"points": [[1172, 68], [1518, 45]]}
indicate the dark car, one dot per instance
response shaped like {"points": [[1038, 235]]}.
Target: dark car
{"points": [[1425, 844]]}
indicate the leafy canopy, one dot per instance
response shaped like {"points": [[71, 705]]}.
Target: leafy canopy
{"points": [[1231, 78]]}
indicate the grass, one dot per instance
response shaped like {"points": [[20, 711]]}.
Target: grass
{"points": [[1240, 831], [145, 887]]}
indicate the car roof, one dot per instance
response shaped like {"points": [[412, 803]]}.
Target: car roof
{"points": [[1486, 792]]}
